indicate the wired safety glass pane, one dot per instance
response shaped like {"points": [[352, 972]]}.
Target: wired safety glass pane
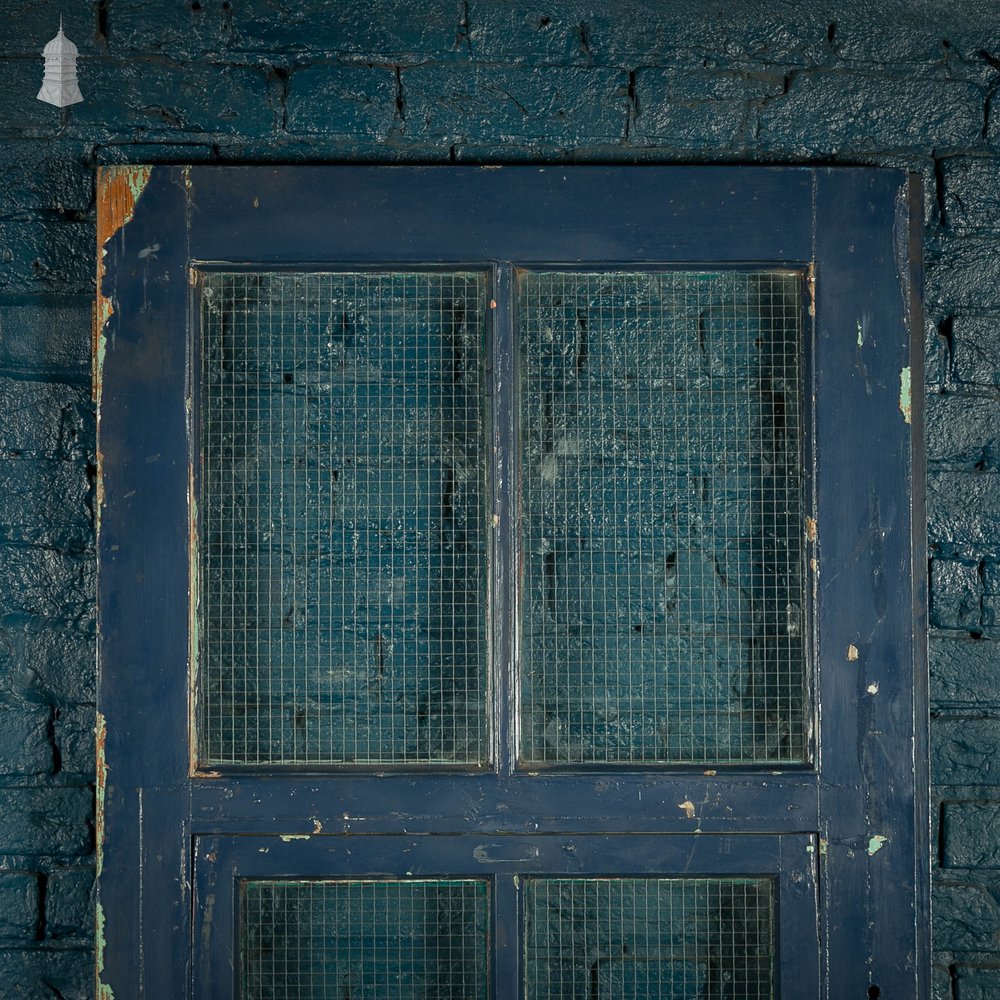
{"points": [[342, 535], [367, 940], [661, 532], [634, 938]]}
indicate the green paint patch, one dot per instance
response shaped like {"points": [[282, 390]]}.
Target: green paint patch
{"points": [[904, 393], [103, 990], [876, 843]]}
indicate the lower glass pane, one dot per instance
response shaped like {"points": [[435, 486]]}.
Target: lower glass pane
{"points": [[364, 939], [643, 938]]}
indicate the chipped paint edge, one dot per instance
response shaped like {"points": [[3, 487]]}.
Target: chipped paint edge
{"points": [[905, 394], [101, 735], [119, 188], [102, 990]]}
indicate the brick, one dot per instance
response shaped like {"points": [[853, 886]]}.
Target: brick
{"points": [[161, 98], [44, 501], [963, 431], [963, 273], [46, 253], [47, 662], [956, 594], [965, 751], [672, 113], [976, 341], [160, 152], [74, 735], [972, 193], [941, 982], [18, 906], [990, 623], [977, 982], [45, 419], [964, 672], [46, 334], [836, 112], [644, 34], [376, 30], [25, 748], [560, 106], [69, 903], [24, 115], [28, 26], [552, 35], [46, 821], [904, 31], [46, 583], [935, 356], [963, 509], [42, 974], [50, 176], [635, 33], [968, 834], [342, 100], [965, 918]]}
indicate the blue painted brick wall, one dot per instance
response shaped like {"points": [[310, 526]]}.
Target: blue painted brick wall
{"points": [[908, 83]]}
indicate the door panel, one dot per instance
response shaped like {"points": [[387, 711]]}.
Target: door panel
{"points": [[552, 918]]}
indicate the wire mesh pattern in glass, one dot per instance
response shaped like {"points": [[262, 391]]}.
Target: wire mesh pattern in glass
{"points": [[342, 539], [367, 940], [640, 938], [662, 532]]}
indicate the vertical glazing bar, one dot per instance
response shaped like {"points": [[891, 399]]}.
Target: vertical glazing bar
{"points": [[506, 936], [501, 382]]}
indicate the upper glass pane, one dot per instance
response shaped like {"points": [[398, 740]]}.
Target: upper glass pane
{"points": [[662, 531], [342, 536]]}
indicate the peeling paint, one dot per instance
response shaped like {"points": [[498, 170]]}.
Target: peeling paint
{"points": [[289, 837], [98, 487], [102, 990], [823, 847], [852, 652], [101, 734], [872, 688], [876, 843], [119, 187], [811, 288], [904, 393], [317, 825], [811, 529], [861, 335], [688, 806]]}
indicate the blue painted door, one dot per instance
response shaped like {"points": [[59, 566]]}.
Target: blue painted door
{"points": [[485, 611]]}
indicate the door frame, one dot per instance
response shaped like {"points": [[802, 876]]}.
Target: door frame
{"points": [[855, 232]]}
